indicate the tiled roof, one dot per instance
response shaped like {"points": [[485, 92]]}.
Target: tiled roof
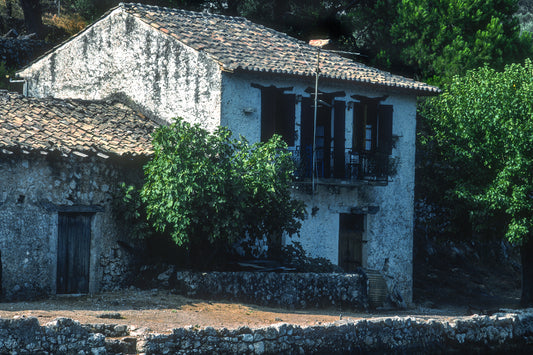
{"points": [[72, 126], [239, 44]]}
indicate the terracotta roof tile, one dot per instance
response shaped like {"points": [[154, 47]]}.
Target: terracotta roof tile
{"points": [[239, 44], [72, 126]]}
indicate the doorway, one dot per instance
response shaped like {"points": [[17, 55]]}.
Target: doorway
{"points": [[73, 252], [351, 229]]}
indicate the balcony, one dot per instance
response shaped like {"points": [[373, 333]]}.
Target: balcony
{"points": [[347, 168]]}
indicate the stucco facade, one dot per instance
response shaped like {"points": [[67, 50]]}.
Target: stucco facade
{"points": [[35, 190], [217, 70], [388, 232]]}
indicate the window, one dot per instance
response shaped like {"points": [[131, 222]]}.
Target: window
{"points": [[372, 127], [330, 135], [372, 139], [277, 113]]}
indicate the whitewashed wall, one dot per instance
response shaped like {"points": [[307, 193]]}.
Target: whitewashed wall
{"points": [[121, 56], [389, 232]]}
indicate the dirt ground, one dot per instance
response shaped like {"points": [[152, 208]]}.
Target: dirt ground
{"points": [[160, 311]]}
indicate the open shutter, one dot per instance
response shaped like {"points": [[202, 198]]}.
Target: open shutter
{"points": [[358, 126], [268, 109], [385, 129], [285, 119], [339, 124], [306, 136]]}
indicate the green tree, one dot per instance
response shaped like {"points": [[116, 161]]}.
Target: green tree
{"points": [[433, 40], [444, 38], [32, 16], [208, 188], [482, 127]]}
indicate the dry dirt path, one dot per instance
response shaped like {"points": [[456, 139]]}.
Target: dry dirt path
{"points": [[160, 311]]}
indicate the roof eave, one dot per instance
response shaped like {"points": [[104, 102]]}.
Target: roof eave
{"points": [[79, 154], [427, 91]]}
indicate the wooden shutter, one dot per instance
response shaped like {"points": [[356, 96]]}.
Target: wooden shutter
{"points": [[306, 136], [277, 115], [339, 125], [358, 144], [307, 123], [268, 109], [385, 129], [285, 118]]}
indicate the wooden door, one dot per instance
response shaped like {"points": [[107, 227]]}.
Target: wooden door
{"points": [[351, 228], [73, 252]]}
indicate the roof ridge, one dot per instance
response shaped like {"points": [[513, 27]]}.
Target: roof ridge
{"points": [[210, 14], [204, 13], [239, 44]]}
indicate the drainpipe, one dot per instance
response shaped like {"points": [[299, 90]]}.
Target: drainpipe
{"points": [[314, 118], [318, 43]]}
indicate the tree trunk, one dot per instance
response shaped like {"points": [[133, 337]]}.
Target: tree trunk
{"points": [[9, 8], [32, 16], [526, 254]]}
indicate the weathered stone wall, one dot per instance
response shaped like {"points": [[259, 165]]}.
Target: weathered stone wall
{"points": [[62, 336], [288, 290], [512, 331], [121, 56], [476, 334], [388, 236], [32, 188]]}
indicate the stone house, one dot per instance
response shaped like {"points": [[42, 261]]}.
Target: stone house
{"points": [[60, 163], [219, 70]]}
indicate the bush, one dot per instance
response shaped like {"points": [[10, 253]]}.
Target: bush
{"points": [[5, 74], [207, 191]]}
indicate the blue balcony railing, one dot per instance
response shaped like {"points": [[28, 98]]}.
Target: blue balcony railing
{"points": [[349, 165]]}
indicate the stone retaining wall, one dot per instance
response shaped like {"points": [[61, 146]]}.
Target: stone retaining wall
{"points": [[62, 336], [476, 334], [482, 334], [287, 290]]}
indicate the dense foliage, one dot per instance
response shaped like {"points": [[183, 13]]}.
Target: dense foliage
{"points": [[482, 126], [481, 137], [203, 186], [434, 40]]}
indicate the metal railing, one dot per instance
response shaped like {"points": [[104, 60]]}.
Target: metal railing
{"points": [[367, 166]]}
